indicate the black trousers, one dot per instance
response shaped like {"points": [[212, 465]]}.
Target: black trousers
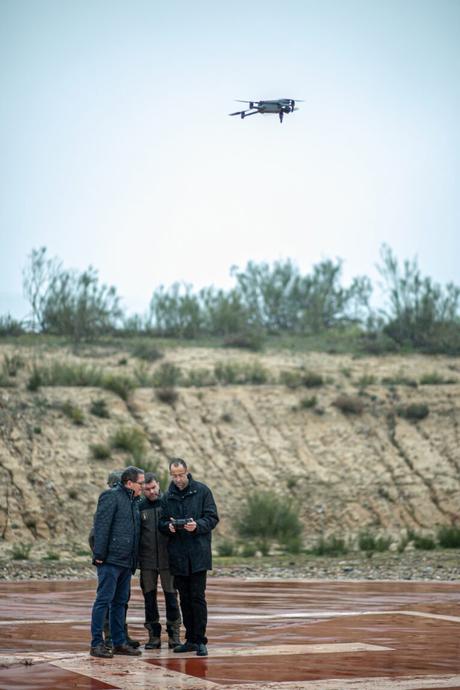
{"points": [[191, 590]]}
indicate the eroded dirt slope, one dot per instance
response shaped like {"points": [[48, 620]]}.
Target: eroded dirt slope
{"points": [[346, 472]]}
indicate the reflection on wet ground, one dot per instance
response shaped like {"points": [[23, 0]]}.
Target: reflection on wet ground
{"points": [[309, 635]]}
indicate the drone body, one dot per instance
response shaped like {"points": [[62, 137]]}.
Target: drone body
{"points": [[281, 107]]}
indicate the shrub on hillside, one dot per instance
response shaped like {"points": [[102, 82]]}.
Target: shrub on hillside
{"points": [[253, 341], [369, 542], [449, 537], [435, 379], [73, 412], [349, 404], [266, 518], [122, 386], [330, 546], [167, 375], [100, 451], [130, 439], [144, 350], [169, 396], [414, 411], [99, 408]]}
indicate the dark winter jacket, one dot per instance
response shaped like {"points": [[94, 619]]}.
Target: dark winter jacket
{"points": [[117, 528], [189, 552], [153, 546]]}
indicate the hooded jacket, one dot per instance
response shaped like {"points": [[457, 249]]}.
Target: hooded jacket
{"points": [[189, 552], [117, 528]]}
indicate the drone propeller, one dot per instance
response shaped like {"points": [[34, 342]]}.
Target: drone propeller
{"points": [[238, 112]]}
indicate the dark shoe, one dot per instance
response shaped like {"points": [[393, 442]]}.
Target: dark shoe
{"points": [[153, 643], [186, 647], [101, 651], [202, 650], [108, 643], [126, 650]]}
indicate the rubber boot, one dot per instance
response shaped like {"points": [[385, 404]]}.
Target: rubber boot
{"points": [[154, 635], [173, 628], [129, 640]]}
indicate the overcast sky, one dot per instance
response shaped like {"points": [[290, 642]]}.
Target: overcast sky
{"points": [[116, 148]]}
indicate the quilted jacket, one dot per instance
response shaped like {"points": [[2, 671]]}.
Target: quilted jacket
{"points": [[117, 528]]}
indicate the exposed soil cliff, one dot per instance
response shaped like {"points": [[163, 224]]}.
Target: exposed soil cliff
{"points": [[373, 468]]}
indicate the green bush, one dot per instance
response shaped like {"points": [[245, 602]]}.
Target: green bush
{"points": [[366, 380], [73, 412], [99, 408], [130, 439], [100, 451], [299, 377], [169, 396], [399, 380], [414, 411], [332, 546], [308, 403], [51, 556], [227, 373], [21, 552], [246, 341], [368, 542], [449, 537], [310, 379], [226, 547], [146, 351], [199, 378], [254, 373], [349, 404], [227, 417], [248, 550], [266, 518], [167, 376], [435, 379], [35, 380], [423, 542], [122, 386], [68, 374]]}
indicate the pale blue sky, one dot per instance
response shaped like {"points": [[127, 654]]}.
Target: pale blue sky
{"points": [[116, 149]]}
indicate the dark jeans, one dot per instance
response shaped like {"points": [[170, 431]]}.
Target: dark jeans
{"points": [[193, 605], [113, 590]]}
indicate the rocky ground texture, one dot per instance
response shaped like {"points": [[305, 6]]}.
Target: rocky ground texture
{"points": [[428, 565]]}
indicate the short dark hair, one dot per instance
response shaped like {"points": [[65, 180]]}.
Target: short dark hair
{"points": [[178, 461], [131, 473], [150, 477]]}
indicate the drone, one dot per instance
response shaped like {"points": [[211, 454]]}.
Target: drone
{"points": [[281, 107]]}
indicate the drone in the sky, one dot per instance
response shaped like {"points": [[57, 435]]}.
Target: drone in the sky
{"points": [[281, 107]]}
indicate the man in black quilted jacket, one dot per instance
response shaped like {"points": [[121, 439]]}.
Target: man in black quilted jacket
{"points": [[116, 545], [188, 516]]}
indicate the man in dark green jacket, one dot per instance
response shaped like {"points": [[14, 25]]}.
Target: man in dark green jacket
{"points": [[189, 514], [154, 563]]}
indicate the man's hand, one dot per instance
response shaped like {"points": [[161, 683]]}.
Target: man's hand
{"points": [[190, 526], [98, 562], [171, 526]]}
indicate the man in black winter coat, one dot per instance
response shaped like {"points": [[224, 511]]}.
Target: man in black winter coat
{"points": [[154, 563], [189, 514], [115, 553]]}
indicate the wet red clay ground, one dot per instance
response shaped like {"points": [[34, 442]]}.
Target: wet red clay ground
{"points": [[262, 634]]}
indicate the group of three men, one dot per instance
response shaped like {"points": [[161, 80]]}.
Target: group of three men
{"points": [[169, 538]]}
